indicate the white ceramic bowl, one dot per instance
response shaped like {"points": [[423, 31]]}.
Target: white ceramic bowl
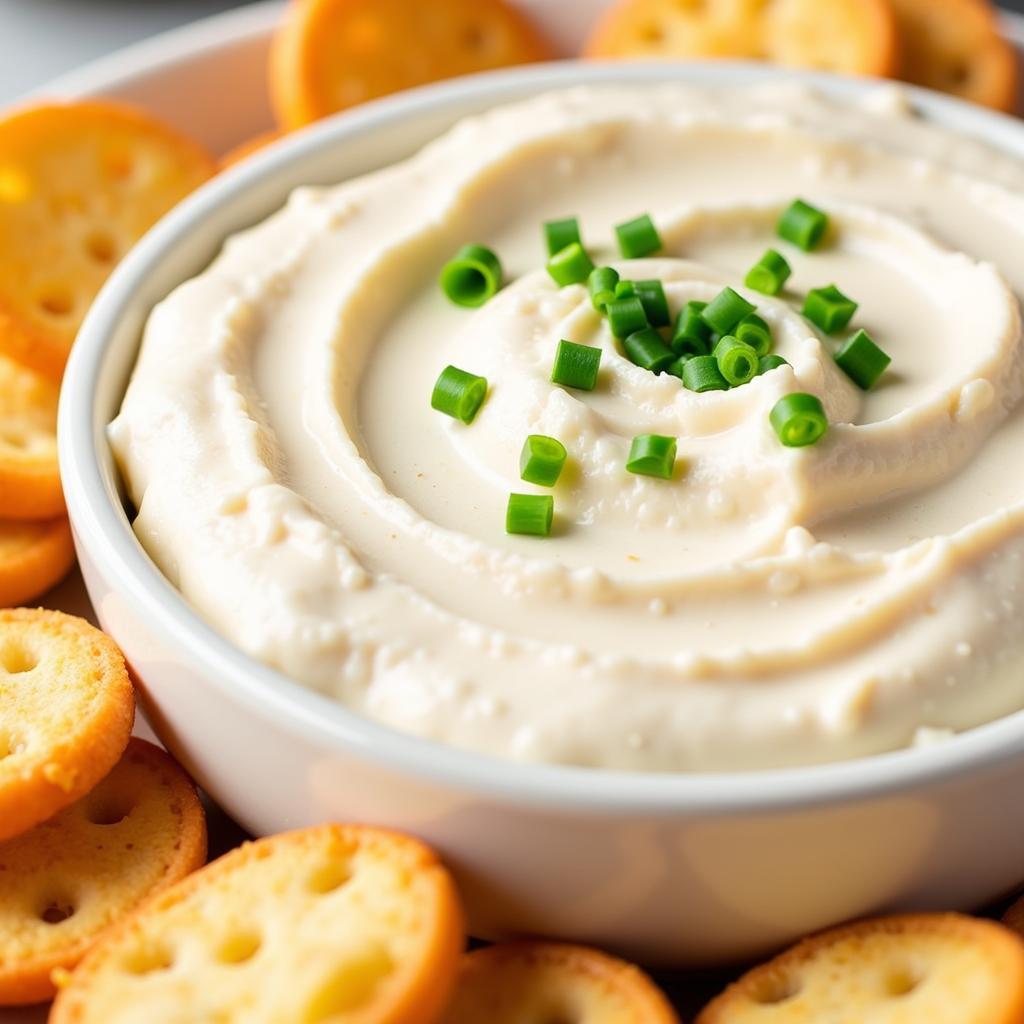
{"points": [[683, 868]]}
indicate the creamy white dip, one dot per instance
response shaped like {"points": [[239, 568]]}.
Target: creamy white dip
{"points": [[771, 606]]}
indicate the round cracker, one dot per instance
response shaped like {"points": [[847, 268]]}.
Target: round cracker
{"points": [[29, 475], [849, 36], [332, 54], [80, 183], [548, 981], [68, 879], [33, 558], [955, 46], [67, 713], [334, 924], [939, 968]]}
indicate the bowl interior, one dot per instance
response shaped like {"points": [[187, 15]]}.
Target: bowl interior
{"points": [[367, 138]]}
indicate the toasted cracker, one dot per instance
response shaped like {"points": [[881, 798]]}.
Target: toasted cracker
{"points": [[956, 46], [34, 556], [515, 982], [64, 882], [933, 968], [29, 475], [334, 924], [850, 36], [80, 183], [331, 54], [67, 712]]}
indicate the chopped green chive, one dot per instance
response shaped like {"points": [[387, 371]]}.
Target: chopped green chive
{"points": [[542, 460], [560, 233], [726, 310], [626, 316], [862, 360], [570, 265], [691, 333], [652, 455], [601, 285], [530, 514], [829, 308], [799, 419], [638, 237], [676, 367], [458, 394], [769, 274], [803, 225], [770, 362], [646, 349], [652, 295], [576, 366], [737, 361], [701, 373], [755, 332], [472, 276], [625, 289]]}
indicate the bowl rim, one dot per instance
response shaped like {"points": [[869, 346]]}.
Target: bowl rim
{"points": [[103, 530]]}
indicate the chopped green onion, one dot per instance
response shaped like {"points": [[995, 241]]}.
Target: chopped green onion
{"points": [[576, 366], [701, 373], [530, 514], [726, 310], [458, 394], [652, 455], [646, 349], [691, 333], [754, 331], [542, 460], [799, 419], [638, 237], [676, 367], [769, 274], [803, 225], [737, 361], [625, 289], [560, 233], [570, 265], [626, 316], [652, 295], [862, 360], [472, 276], [601, 284], [829, 308], [770, 362]]}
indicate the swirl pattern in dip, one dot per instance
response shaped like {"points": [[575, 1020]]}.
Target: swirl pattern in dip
{"points": [[770, 606]]}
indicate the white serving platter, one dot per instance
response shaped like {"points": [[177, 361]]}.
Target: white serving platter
{"points": [[175, 75]]}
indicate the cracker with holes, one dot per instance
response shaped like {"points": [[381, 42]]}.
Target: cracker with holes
{"points": [[68, 879], [66, 712], [34, 556], [332, 54], [934, 968], [956, 46], [80, 183], [547, 981], [849, 36], [333, 924], [29, 476]]}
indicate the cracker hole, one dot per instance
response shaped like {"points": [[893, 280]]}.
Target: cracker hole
{"points": [[101, 247], [109, 811], [13, 438], [652, 33], [15, 185], [56, 301], [55, 911], [329, 877], [149, 960], [775, 988], [14, 659], [350, 986], [119, 165], [901, 981], [239, 947]]}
